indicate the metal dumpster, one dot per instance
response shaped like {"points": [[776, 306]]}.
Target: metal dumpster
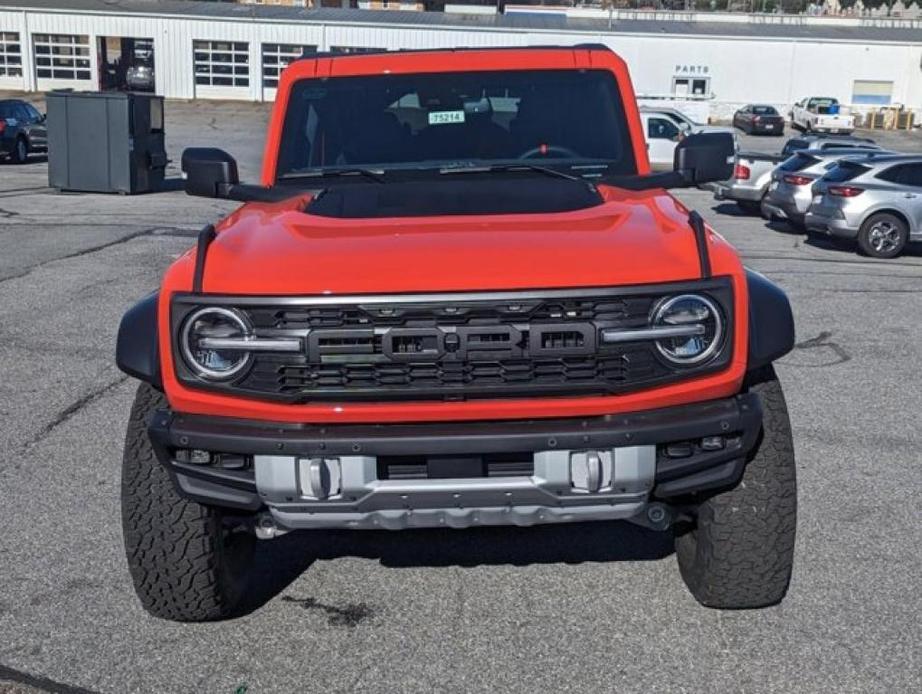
{"points": [[105, 142]]}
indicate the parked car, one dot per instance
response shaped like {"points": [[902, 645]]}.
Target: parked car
{"points": [[877, 202], [140, 77], [759, 119], [752, 173], [789, 192], [542, 346], [822, 141], [684, 122], [821, 114], [662, 135], [22, 130]]}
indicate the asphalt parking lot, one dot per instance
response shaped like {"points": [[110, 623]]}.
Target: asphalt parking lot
{"points": [[567, 608]]}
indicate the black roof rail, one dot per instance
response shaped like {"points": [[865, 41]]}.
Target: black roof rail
{"points": [[311, 55]]}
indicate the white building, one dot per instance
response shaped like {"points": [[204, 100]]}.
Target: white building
{"points": [[229, 51]]}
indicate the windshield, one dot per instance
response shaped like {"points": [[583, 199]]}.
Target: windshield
{"points": [[764, 110], [562, 118]]}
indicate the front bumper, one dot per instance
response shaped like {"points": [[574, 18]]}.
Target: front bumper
{"points": [[600, 468]]}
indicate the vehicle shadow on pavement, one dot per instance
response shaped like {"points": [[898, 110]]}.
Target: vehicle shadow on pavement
{"points": [[281, 561], [731, 209]]}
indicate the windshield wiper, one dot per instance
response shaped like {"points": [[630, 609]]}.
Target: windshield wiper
{"points": [[376, 176], [502, 168]]}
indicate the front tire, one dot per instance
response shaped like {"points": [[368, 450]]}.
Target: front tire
{"points": [[20, 152], [739, 552], [883, 236], [188, 562]]}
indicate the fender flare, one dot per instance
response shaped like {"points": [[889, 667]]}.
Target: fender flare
{"points": [[771, 321], [137, 350]]}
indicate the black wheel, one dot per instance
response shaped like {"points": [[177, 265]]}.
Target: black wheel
{"points": [[189, 562], [20, 152], [883, 235], [750, 206], [739, 551]]}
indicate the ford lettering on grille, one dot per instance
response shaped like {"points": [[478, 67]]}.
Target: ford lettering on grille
{"points": [[449, 347]]}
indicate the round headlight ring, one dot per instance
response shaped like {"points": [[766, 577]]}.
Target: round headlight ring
{"points": [[715, 341], [203, 370]]}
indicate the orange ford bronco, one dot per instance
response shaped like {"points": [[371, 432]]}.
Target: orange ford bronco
{"points": [[457, 297]]}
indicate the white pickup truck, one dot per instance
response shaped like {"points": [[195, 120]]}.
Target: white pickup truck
{"points": [[821, 114]]}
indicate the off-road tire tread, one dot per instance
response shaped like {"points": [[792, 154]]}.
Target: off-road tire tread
{"points": [[173, 544], [741, 553]]}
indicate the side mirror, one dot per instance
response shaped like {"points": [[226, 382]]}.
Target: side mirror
{"points": [[705, 158], [209, 172]]}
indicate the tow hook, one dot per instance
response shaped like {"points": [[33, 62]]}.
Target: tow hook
{"points": [[267, 529], [659, 516]]}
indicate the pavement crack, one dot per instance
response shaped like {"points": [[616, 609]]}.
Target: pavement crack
{"points": [[822, 341], [74, 408], [8, 674], [86, 251]]}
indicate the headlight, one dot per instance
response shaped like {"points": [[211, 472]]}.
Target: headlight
{"points": [[699, 325], [207, 340]]}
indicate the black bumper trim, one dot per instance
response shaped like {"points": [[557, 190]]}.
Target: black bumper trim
{"points": [[739, 418]]}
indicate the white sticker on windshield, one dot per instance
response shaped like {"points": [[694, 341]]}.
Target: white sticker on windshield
{"points": [[445, 117]]}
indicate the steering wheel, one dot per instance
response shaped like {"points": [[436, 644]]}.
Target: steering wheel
{"points": [[544, 150]]}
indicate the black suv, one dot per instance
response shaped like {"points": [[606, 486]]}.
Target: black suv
{"points": [[22, 130]]}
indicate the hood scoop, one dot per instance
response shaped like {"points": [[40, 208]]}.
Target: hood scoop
{"points": [[480, 194]]}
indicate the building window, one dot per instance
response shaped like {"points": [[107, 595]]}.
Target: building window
{"points": [[62, 57], [10, 55], [691, 86], [277, 56], [222, 63], [355, 49], [877, 93]]}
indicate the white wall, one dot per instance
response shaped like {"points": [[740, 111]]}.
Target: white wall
{"points": [[742, 70]]}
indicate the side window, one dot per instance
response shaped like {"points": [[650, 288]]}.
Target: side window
{"points": [[894, 174], [903, 174], [22, 113], [661, 129], [32, 113], [913, 175]]}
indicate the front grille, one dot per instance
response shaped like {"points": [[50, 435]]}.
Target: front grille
{"points": [[453, 347]]}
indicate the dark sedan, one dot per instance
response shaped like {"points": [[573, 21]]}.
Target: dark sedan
{"points": [[22, 130], [759, 119]]}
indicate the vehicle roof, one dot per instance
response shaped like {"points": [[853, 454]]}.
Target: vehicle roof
{"points": [[662, 109], [842, 152], [884, 32], [896, 158]]}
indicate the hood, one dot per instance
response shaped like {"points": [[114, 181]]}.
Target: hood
{"points": [[278, 249]]}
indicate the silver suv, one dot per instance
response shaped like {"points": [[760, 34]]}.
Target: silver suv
{"points": [[878, 202], [789, 194], [752, 173]]}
